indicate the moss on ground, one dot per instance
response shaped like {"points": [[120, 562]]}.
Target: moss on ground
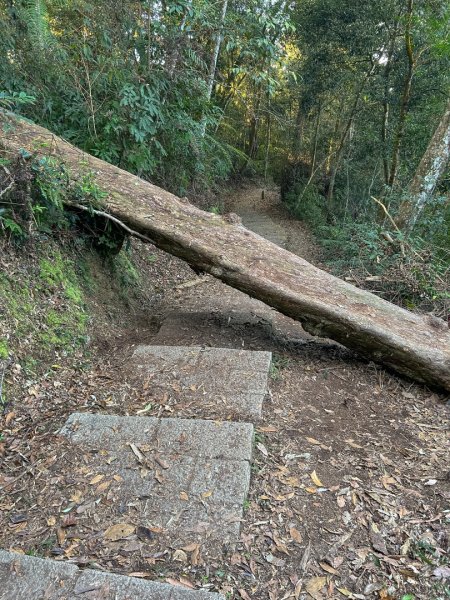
{"points": [[4, 349], [44, 306]]}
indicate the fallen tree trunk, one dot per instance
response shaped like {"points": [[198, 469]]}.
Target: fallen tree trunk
{"points": [[416, 346]]}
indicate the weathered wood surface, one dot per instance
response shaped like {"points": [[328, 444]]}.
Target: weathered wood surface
{"points": [[416, 346]]}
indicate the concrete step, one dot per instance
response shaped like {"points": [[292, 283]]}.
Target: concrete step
{"points": [[224, 383], [27, 577], [265, 227], [187, 477]]}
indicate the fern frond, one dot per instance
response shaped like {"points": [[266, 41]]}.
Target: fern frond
{"points": [[36, 16]]}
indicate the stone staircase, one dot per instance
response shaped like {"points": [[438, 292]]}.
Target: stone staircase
{"points": [[183, 480]]}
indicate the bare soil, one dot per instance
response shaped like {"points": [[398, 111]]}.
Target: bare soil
{"points": [[351, 482]]}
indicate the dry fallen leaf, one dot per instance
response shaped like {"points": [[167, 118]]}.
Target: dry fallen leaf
{"points": [[377, 540], [316, 480], [184, 496], [295, 535], [159, 478], [268, 429], [9, 417], [298, 589], [182, 582], [313, 441], [77, 497], [190, 547], [328, 568], [61, 536], [103, 486], [273, 560], [179, 556], [351, 443], [119, 531], [95, 480], [243, 594], [314, 586], [345, 592], [68, 521], [138, 454], [262, 449]]}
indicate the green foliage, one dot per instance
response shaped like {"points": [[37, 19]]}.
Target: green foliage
{"points": [[125, 271], [415, 274], [9, 226], [13, 100], [53, 293], [4, 349], [278, 364], [307, 204]]}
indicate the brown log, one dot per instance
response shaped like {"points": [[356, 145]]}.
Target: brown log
{"points": [[416, 346]]}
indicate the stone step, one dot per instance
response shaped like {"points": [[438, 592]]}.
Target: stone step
{"points": [[189, 478], [224, 383], [265, 227], [27, 577]]}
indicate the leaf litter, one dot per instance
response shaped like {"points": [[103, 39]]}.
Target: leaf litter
{"points": [[349, 496]]}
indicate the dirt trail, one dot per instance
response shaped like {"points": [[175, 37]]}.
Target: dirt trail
{"points": [[350, 488], [269, 218], [351, 475]]}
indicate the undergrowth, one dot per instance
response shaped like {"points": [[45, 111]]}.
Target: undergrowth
{"points": [[55, 265], [412, 271]]}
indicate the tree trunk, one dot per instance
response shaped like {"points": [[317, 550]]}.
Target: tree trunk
{"points": [[431, 168], [404, 106], [325, 305], [215, 54], [297, 139], [386, 103], [214, 58], [315, 141], [346, 131], [177, 45]]}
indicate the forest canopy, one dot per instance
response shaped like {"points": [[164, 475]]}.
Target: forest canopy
{"points": [[345, 104]]}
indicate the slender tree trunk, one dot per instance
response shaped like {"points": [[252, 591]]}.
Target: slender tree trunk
{"points": [[266, 154], [298, 131], [315, 141], [386, 105], [333, 140], [404, 106], [252, 143], [340, 149], [178, 46], [214, 59], [431, 168], [216, 51], [149, 35]]}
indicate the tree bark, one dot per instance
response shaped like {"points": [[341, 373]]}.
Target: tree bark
{"points": [[326, 306], [431, 168], [386, 103], [404, 106], [340, 149], [315, 141], [214, 58]]}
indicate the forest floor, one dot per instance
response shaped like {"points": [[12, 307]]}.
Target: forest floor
{"points": [[351, 484]]}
